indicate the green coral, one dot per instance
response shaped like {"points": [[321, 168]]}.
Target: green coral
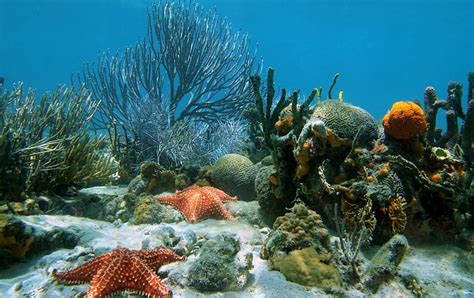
{"points": [[297, 229], [345, 120], [149, 211], [235, 174], [306, 267]]}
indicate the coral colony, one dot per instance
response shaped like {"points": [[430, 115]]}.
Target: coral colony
{"points": [[184, 120]]}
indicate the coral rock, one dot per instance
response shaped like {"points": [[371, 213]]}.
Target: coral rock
{"points": [[218, 267], [384, 264], [297, 229], [306, 268], [404, 121]]}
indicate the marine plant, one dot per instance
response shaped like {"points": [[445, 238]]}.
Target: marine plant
{"points": [[191, 70], [45, 145]]}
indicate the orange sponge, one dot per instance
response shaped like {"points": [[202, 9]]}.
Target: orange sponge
{"points": [[404, 121]]}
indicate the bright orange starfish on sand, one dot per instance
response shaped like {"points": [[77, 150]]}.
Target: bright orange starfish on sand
{"points": [[200, 202], [123, 269]]}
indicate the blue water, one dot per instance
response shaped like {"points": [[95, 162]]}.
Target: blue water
{"points": [[384, 50]]}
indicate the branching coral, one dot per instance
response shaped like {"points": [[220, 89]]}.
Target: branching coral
{"points": [[468, 128], [267, 111], [190, 142], [283, 118], [351, 240], [191, 66], [46, 145], [357, 211], [396, 214]]}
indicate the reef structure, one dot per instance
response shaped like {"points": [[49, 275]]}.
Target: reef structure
{"points": [[386, 178]]}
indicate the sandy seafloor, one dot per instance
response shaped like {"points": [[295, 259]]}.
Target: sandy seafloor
{"points": [[443, 271]]}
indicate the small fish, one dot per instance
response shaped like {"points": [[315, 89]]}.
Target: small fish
{"points": [[2, 80]]}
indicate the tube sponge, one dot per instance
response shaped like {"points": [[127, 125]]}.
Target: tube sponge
{"points": [[404, 121]]}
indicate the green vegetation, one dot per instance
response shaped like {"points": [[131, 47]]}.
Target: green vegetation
{"points": [[45, 145]]}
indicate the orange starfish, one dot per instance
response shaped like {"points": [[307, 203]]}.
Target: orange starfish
{"points": [[200, 202], [123, 269]]}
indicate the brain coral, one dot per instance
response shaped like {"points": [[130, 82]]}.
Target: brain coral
{"points": [[345, 119], [235, 174], [404, 121]]}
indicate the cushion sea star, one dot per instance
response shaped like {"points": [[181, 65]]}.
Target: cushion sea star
{"points": [[123, 269], [200, 202]]}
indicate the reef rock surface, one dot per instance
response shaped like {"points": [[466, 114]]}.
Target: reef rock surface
{"points": [[437, 271]]}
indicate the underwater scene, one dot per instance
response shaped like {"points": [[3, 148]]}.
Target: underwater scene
{"points": [[236, 148]]}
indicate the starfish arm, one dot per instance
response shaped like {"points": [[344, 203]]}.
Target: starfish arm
{"points": [[224, 197], [225, 214], [167, 199], [148, 280], [83, 273], [219, 211], [157, 257], [108, 279]]}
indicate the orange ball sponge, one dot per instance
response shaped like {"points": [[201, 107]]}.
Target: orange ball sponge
{"points": [[404, 121]]}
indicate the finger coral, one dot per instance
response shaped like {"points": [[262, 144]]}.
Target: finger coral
{"points": [[404, 121]]}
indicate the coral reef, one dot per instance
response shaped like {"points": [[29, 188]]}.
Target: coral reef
{"points": [[265, 181], [150, 211], [249, 212], [235, 174], [456, 141], [299, 247], [346, 120], [15, 238], [404, 121]]}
